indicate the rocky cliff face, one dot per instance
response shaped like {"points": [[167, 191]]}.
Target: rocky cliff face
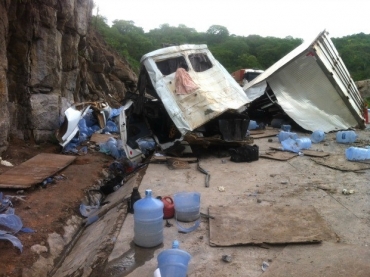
{"points": [[50, 58]]}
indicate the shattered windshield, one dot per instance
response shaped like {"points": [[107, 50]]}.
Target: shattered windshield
{"points": [[170, 66], [200, 62]]}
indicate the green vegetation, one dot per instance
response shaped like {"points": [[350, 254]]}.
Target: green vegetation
{"points": [[233, 52], [355, 53]]}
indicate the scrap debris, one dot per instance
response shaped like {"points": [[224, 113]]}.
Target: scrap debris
{"points": [[208, 176], [348, 191], [5, 163], [221, 188], [227, 258], [265, 265]]}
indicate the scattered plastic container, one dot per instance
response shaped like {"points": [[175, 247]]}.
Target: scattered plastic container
{"points": [[317, 136], [148, 221], [173, 262], [346, 136], [303, 143], [283, 135], [286, 128], [187, 206], [291, 145], [357, 154], [252, 125]]}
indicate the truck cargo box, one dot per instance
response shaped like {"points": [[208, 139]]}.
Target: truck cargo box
{"points": [[313, 87]]}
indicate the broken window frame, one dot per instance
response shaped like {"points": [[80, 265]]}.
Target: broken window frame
{"points": [[170, 65], [200, 62]]}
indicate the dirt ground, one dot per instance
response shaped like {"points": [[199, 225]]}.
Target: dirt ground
{"points": [[46, 210]]}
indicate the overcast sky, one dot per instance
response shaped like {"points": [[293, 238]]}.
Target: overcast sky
{"points": [[277, 18]]}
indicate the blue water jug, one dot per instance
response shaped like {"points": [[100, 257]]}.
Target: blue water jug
{"points": [[285, 135], [317, 136], [173, 262], [346, 136], [303, 143], [148, 221], [252, 125], [286, 128], [357, 154]]}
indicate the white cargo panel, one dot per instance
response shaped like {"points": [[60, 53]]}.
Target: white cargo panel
{"points": [[313, 87]]}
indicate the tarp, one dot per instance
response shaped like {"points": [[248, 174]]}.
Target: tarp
{"points": [[217, 91], [313, 87]]}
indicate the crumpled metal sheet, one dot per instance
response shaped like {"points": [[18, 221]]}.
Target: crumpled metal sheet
{"points": [[217, 92], [313, 86]]}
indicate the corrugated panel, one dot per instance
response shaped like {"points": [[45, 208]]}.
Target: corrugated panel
{"points": [[313, 102], [329, 56], [313, 87]]}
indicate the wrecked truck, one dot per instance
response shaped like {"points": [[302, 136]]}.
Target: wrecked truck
{"points": [[186, 97], [310, 87]]}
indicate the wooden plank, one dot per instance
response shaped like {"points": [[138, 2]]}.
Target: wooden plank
{"points": [[100, 138], [341, 163], [266, 133], [313, 153], [257, 224], [279, 155], [165, 158], [34, 170], [307, 152]]}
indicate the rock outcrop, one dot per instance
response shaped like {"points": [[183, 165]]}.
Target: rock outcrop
{"points": [[50, 58], [364, 88]]}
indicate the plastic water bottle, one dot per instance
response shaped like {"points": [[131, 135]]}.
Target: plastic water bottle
{"points": [[317, 136], [285, 135], [346, 136], [303, 143], [252, 125], [357, 154], [173, 262], [148, 221]]}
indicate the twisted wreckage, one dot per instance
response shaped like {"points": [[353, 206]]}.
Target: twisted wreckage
{"points": [[186, 97]]}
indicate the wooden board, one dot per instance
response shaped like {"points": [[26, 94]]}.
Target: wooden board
{"points": [[156, 159], [34, 170], [278, 155], [307, 152], [313, 153], [100, 138], [341, 163], [324, 259], [266, 133], [257, 224]]}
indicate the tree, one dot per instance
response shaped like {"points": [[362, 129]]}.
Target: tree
{"points": [[126, 27]]}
